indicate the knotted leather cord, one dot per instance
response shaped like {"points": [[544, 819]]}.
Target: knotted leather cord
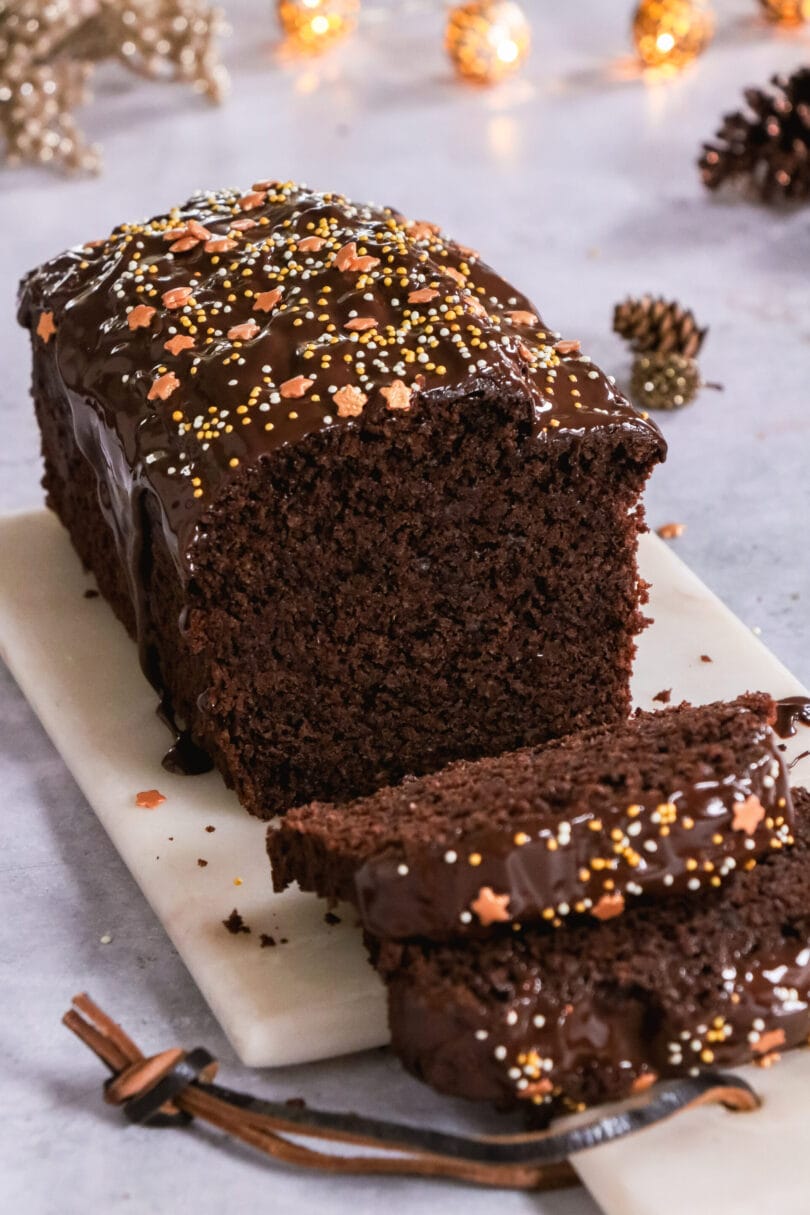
{"points": [[174, 1086]]}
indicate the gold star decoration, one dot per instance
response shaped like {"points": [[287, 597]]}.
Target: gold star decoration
{"points": [[491, 908], [47, 55]]}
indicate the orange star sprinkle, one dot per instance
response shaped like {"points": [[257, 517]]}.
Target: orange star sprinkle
{"points": [[456, 275], [296, 387], [45, 327], [163, 387], [748, 815], [347, 258], [609, 905], [491, 908], [361, 323], [520, 317], [423, 295], [350, 401], [252, 200], [176, 344], [420, 229], [176, 297], [397, 395], [243, 332], [198, 230], [184, 244], [769, 1041], [266, 300], [220, 244], [310, 244], [643, 1082], [537, 1088], [569, 346], [149, 799], [141, 316]]}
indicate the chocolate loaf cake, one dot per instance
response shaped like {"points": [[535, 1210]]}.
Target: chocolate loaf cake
{"points": [[364, 512], [595, 1012], [668, 802]]}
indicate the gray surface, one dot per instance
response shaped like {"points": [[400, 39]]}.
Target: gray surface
{"points": [[580, 183]]}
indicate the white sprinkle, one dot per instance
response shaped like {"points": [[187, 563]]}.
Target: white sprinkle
{"points": [[106, 939], [402, 870], [481, 1035], [450, 856], [465, 917], [511, 1017], [500, 1052], [539, 1020]]}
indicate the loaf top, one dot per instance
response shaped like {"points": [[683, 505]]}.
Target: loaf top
{"points": [[242, 321]]}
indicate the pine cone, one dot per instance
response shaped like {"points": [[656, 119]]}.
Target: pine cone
{"points": [[658, 324], [768, 149], [664, 381]]}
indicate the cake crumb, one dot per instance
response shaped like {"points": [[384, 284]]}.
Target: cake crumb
{"points": [[149, 799], [331, 918], [90, 593], [202, 863], [210, 828], [664, 696], [706, 658], [235, 923], [671, 531], [266, 941]]}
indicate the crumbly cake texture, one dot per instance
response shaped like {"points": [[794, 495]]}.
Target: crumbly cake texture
{"points": [[363, 511], [671, 801], [596, 1012]]}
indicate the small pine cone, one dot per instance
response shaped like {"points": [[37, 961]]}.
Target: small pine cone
{"points": [[767, 148], [660, 325], [664, 381]]}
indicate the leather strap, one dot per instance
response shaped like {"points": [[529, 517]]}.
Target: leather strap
{"points": [[174, 1086]]}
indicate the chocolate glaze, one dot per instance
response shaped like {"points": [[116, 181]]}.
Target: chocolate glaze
{"points": [[433, 898], [790, 711], [558, 1055], [674, 989], [220, 403]]}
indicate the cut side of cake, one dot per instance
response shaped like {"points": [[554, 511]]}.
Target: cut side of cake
{"points": [[599, 1011], [363, 511], [669, 802]]}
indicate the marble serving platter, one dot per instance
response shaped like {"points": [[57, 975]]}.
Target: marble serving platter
{"points": [[313, 995]]}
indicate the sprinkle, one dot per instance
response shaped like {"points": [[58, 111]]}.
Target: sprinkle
{"points": [[348, 259], [176, 297], [567, 347], [220, 244], [163, 387], [140, 317], [748, 815], [608, 906], [243, 332], [521, 317], [423, 295], [671, 531], [250, 201], [361, 323], [311, 244], [266, 300], [402, 870], [177, 344], [490, 907], [451, 857], [350, 401], [45, 327], [397, 395], [149, 799], [298, 386]]}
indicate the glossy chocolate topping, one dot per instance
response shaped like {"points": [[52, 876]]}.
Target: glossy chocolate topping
{"points": [[204, 339], [592, 1014], [690, 839]]}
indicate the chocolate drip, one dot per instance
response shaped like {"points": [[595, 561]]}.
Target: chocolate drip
{"points": [[790, 711], [184, 757]]}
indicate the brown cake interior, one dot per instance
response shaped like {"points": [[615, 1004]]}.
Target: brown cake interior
{"points": [[375, 603]]}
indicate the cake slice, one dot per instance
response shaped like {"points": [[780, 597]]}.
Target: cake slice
{"points": [[593, 1013], [667, 802], [363, 510]]}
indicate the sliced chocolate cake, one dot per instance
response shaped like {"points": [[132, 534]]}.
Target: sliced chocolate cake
{"points": [[598, 1011], [667, 802], [364, 511]]}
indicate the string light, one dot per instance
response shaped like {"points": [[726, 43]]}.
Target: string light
{"points": [[487, 40]]}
